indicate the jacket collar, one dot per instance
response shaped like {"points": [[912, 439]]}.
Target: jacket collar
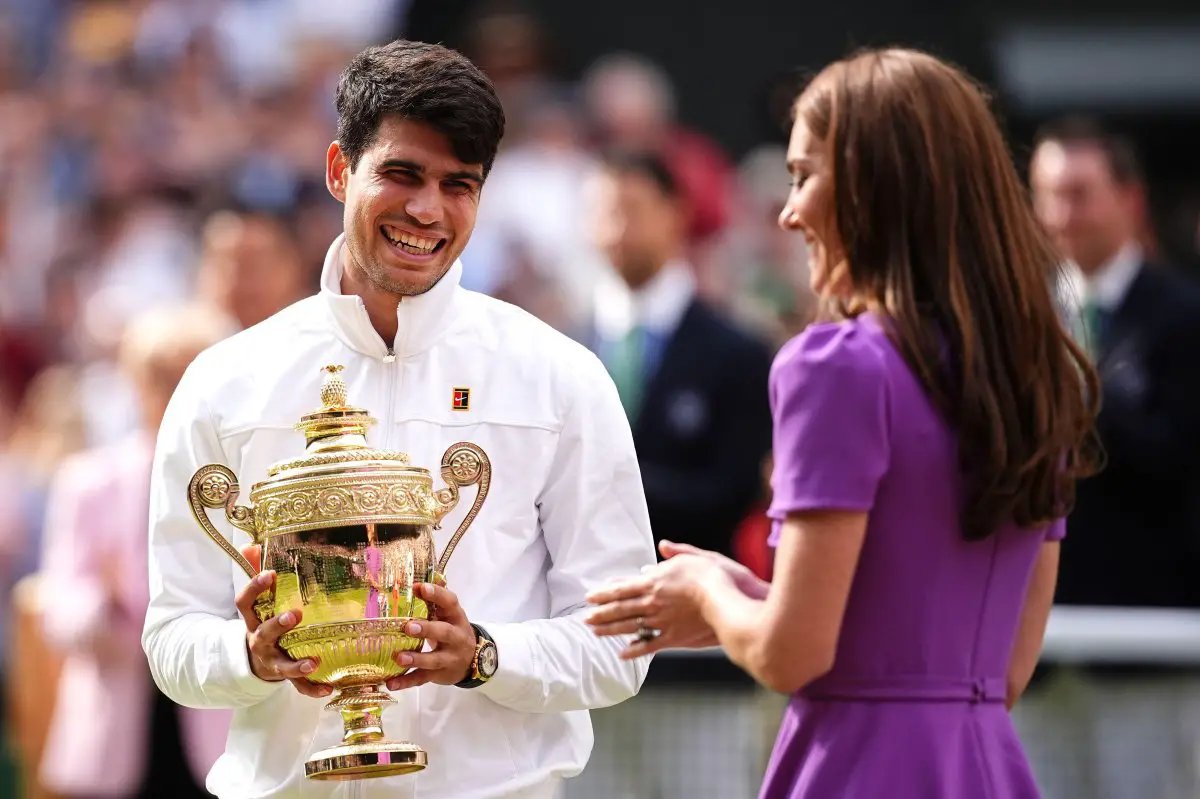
{"points": [[422, 319]]}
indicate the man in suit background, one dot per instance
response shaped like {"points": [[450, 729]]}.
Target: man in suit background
{"points": [[695, 389], [1130, 731], [693, 384]]}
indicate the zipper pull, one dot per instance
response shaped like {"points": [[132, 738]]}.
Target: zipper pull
{"points": [[390, 357]]}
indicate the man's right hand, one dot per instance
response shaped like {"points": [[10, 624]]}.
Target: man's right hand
{"points": [[267, 660]]}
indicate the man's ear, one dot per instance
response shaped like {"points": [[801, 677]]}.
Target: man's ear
{"points": [[337, 171]]}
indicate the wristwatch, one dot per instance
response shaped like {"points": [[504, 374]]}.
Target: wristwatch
{"points": [[487, 660]]}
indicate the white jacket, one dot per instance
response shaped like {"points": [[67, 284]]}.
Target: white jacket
{"points": [[566, 512]]}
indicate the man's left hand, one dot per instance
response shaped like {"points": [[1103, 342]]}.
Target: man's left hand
{"points": [[451, 638]]}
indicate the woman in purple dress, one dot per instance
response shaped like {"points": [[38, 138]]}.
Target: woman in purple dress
{"points": [[928, 437]]}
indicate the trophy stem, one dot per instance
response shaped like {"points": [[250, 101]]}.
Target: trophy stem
{"points": [[364, 753], [361, 707]]}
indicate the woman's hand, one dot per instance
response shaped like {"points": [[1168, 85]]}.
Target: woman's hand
{"points": [[667, 597], [746, 581]]}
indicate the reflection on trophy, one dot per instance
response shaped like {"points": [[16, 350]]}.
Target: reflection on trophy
{"points": [[347, 530]]}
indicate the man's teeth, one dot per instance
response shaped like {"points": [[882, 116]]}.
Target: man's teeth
{"points": [[410, 243]]}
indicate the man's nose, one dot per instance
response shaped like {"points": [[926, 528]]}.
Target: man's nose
{"points": [[425, 205]]}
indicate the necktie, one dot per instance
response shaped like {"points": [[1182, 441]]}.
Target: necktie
{"points": [[1094, 319], [626, 363]]}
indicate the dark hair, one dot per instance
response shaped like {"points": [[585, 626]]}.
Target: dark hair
{"points": [[938, 230], [645, 163], [425, 83], [1080, 131]]}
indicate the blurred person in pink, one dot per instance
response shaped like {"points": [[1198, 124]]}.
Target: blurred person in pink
{"points": [[113, 733]]}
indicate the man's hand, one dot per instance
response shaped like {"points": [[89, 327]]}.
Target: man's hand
{"points": [[451, 638], [267, 660]]}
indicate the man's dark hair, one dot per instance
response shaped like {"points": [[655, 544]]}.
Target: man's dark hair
{"points": [[1076, 131], [645, 163], [425, 83]]}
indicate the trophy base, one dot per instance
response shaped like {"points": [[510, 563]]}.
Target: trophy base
{"points": [[364, 761]]}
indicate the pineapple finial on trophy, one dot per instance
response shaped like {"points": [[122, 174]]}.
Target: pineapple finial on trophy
{"points": [[338, 424], [333, 390]]}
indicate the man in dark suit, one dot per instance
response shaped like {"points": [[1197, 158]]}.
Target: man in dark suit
{"points": [[693, 384], [1132, 540], [695, 389]]}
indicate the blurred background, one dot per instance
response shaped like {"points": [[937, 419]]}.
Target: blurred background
{"points": [[155, 153]]}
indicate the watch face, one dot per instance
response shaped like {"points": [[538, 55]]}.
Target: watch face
{"points": [[487, 660]]}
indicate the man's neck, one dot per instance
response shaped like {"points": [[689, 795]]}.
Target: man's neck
{"points": [[1099, 265], [1105, 285], [381, 305]]}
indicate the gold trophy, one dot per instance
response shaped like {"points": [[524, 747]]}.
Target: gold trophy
{"points": [[348, 531]]}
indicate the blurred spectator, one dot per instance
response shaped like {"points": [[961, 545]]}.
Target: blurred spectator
{"points": [[515, 51], [763, 274], [694, 386], [751, 542], [631, 103], [530, 245], [695, 389], [250, 267], [113, 733], [1132, 539]]}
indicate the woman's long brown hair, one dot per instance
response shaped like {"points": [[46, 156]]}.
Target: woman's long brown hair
{"points": [[938, 229]]}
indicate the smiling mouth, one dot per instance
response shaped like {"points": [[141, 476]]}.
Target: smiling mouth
{"points": [[408, 243]]}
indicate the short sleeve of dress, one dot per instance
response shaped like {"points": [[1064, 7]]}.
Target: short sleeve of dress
{"points": [[1057, 530], [829, 404]]}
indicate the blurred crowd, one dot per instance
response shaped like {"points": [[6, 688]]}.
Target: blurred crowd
{"points": [[156, 154]]}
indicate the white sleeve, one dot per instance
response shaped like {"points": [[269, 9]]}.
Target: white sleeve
{"points": [[194, 639], [593, 516]]}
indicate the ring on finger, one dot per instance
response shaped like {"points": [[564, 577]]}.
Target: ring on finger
{"points": [[644, 633]]}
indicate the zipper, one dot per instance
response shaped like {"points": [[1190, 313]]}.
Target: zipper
{"points": [[392, 368]]}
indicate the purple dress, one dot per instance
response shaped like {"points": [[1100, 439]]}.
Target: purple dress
{"points": [[914, 705]]}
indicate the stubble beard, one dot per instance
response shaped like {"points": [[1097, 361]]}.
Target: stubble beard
{"points": [[377, 276]]}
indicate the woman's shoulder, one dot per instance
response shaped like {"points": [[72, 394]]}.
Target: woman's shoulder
{"points": [[854, 350]]}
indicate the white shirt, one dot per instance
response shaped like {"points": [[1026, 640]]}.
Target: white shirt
{"points": [[566, 512], [1107, 286], [658, 306]]}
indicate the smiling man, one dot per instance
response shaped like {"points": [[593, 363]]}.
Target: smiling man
{"points": [[500, 704]]}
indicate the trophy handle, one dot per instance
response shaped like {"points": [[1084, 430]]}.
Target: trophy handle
{"points": [[215, 486], [463, 464]]}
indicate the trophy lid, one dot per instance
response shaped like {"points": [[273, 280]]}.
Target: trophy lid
{"points": [[336, 416], [337, 431]]}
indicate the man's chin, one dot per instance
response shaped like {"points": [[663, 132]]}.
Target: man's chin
{"points": [[406, 282]]}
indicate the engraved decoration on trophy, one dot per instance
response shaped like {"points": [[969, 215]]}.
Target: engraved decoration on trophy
{"points": [[348, 530]]}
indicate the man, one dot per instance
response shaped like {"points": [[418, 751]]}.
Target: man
{"points": [[95, 541], [418, 129], [693, 385], [1132, 539], [695, 389]]}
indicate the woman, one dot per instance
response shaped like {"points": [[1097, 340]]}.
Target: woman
{"points": [[927, 440]]}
